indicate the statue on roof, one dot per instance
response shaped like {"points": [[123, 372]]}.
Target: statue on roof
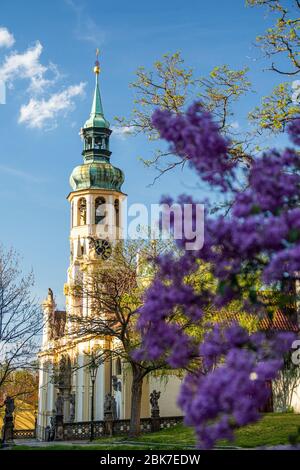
{"points": [[50, 295]]}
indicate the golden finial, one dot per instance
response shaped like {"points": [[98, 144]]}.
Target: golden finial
{"points": [[97, 66]]}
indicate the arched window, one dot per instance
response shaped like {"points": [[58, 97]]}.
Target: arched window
{"points": [[98, 142], [117, 212], [99, 210], [81, 211], [118, 366], [88, 143], [104, 143]]}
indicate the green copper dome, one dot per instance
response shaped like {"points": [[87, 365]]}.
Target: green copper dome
{"points": [[97, 175]]}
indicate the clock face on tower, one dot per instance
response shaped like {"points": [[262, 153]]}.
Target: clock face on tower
{"points": [[103, 248]]}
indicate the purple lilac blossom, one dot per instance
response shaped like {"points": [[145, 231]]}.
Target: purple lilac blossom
{"points": [[262, 234], [294, 131], [229, 394]]}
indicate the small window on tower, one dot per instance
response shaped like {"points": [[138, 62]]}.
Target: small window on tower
{"points": [[100, 212], [98, 143], [82, 211], [89, 143]]}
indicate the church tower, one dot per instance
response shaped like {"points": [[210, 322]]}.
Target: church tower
{"points": [[96, 203], [96, 197], [95, 200], [67, 391]]}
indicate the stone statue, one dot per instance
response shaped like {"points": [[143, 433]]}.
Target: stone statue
{"points": [[64, 373], [59, 405], [110, 407], [117, 385], [52, 420], [8, 421], [110, 413], [72, 407], [50, 429], [115, 382], [50, 295], [114, 408], [57, 422], [107, 402], [154, 397], [47, 433], [9, 407]]}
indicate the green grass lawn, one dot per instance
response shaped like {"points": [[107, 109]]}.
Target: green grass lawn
{"points": [[273, 429]]}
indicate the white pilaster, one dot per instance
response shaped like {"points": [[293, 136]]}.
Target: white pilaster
{"points": [[99, 394], [80, 388], [89, 213]]}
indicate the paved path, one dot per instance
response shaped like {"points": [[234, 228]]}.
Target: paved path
{"points": [[36, 443], [98, 443]]}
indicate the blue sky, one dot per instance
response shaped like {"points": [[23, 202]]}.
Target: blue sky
{"points": [[47, 56]]}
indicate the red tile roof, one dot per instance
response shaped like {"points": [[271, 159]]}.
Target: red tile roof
{"points": [[279, 322]]}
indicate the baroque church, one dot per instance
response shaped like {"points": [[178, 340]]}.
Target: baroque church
{"points": [[63, 361]]}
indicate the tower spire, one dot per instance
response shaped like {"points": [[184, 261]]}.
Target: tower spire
{"points": [[97, 104], [96, 172], [97, 118]]}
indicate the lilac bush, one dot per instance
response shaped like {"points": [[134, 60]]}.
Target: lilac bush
{"points": [[294, 131], [258, 239], [230, 395]]}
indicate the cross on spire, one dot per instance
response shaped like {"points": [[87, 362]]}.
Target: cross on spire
{"points": [[97, 65]]}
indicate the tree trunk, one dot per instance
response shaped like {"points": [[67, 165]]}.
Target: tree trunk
{"points": [[136, 401]]}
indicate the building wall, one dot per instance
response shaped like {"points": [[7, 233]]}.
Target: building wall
{"points": [[281, 398], [296, 399], [168, 385]]}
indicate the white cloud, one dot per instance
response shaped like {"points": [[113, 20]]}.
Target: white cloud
{"points": [[26, 66], [122, 132], [38, 113], [6, 38], [44, 102]]}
